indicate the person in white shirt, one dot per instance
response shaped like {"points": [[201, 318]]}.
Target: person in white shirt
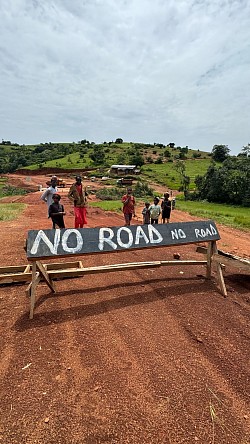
{"points": [[48, 194], [155, 211]]}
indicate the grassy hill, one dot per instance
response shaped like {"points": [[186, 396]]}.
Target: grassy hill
{"points": [[159, 160]]}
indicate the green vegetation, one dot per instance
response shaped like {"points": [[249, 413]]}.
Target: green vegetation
{"points": [[9, 190], [108, 205], [233, 216], [229, 183], [179, 168], [167, 175], [2, 184], [85, 154], [139, 190], [10, 211]]}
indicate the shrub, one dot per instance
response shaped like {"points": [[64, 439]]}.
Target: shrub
{"points": [[143, 190], [9, 190], [109, 193]]}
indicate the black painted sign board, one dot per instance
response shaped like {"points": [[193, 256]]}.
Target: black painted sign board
{"points": [[71, 241]]}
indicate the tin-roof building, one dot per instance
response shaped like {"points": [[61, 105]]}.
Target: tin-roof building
{"points": [[123, 169]]}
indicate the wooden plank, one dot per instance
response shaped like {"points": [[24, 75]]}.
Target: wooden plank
{"points": [[15, 277], [13, 269], [119, 267], [27, 269], [62, 265], [219, 272], [227, 259], [33, 290], [209, 260], [28, 289], [240, 265], [70, 242], [25, 273], [45, 276], [202, 250]]}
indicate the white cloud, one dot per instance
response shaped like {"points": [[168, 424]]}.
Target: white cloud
{"points": [[141, 70]]}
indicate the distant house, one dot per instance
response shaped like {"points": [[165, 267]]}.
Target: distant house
{"points": [[123, 170]]}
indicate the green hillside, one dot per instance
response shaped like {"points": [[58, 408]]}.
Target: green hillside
{"points": [[157, 160]]}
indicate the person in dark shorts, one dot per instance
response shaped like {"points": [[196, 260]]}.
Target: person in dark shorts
{"points": [[166, 208], [56, 212]]}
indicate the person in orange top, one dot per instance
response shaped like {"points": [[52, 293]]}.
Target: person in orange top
{"points": [[128, 201], [79, 197]]}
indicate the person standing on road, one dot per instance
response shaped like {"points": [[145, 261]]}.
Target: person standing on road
{"points": [[146, 214], [56, 212], [48, 193], [78, 196], [166, 208], [128, 201], [155, 211]]}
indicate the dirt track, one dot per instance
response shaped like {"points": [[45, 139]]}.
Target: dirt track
{"points": [[146, 356]]}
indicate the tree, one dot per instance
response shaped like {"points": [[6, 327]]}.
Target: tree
{"points": [[185, 180], [246, 150], [220, 152], [98, 155], [119, 140], [229, 183], [136, 159], [167, 154]]}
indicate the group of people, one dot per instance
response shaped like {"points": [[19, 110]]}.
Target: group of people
{"points": [[78, 195], [151, 212]]}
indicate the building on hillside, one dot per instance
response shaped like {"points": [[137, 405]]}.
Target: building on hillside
{"points": [[123, 170]]}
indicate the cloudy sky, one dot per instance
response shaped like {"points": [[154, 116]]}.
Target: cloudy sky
{"points": [[146, 71]]}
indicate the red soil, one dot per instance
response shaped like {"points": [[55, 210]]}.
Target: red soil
{"points": [[145, 356]]}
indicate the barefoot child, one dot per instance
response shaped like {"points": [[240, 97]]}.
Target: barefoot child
{"points": [[56, 211], [155, 211], [146, 213], [166, 208]]}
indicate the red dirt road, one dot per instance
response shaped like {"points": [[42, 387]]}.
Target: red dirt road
{"points": [[146, 356]]}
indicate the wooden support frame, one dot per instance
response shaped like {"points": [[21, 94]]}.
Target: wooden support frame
{"points": [[40, 271], [43, 244], [23, 273]]}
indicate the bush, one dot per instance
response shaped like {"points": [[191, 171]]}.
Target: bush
{"points": [[109, 193], [9, 190], [143, 190]]}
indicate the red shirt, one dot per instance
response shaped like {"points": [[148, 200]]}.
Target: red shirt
{"points": [[129, 207], [79, 189]]}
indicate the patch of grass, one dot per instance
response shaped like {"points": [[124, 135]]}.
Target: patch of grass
{"points": [[10, 211], [166, 173], [233, 216], [108, 205], [2, 184], [9, 190]]}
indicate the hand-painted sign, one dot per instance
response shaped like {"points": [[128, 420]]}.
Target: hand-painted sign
{"points": [[71, 241]]}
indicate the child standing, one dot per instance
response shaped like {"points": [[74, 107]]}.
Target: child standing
{"points": [[155, 211], [56, 211], [146, 213], [128, 201], [166, 208]]}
